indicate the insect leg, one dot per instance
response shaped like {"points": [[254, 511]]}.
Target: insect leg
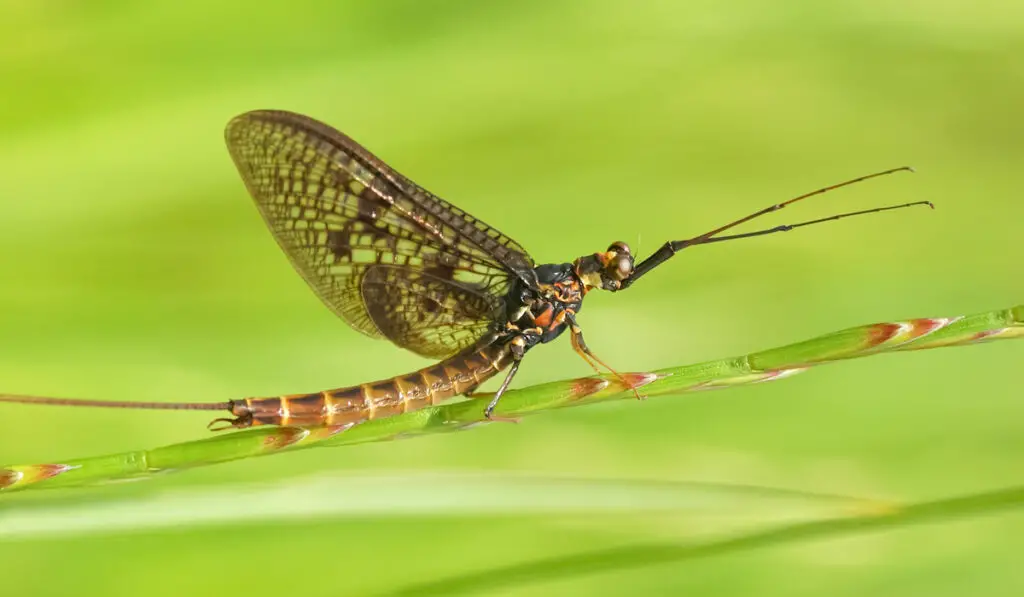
{"points": [[489, 411], [581, 348], [518, 347]]}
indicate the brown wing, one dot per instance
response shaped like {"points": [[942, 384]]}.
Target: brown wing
{"points": [[431, 315], [377, 249]]}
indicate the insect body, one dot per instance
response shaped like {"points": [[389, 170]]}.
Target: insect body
{"points": [[397, 262], [346, 406], [534, 314]]}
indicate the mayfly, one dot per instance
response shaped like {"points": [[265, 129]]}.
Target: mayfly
{"points": [[397, 262]]}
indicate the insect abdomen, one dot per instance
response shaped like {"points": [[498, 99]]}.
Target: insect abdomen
{"points": [[355, 404]]}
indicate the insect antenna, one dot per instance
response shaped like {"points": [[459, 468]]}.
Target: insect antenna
{"points": [[672, 247], [788, 227]]}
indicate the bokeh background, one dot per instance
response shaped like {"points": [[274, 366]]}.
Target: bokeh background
{"points": [[133, 266]]}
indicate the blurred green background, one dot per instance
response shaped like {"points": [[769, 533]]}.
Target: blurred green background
{"points": [[133, 266]]}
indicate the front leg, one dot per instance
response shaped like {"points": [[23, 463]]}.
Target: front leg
{"points": [[581, 348]]}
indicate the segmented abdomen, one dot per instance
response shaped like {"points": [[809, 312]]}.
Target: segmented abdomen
{"points": [[404, 393]]}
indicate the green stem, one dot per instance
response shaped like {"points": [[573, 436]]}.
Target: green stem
{"points": [[766, 365]]}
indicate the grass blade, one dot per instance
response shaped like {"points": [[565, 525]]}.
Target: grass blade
{"points": [[762, 366], [648, 554], [415, 493]]}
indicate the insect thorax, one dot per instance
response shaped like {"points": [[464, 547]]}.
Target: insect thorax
{"points": [[558, 290]]}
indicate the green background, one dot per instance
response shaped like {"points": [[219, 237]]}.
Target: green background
{"points": [[132, 266]]}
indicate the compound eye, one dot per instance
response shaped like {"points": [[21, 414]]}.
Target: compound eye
{"points": [[619, 247], [623, 267]]}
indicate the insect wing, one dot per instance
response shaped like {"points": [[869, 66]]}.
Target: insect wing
{"points": [[429, 314], [387, 256]]}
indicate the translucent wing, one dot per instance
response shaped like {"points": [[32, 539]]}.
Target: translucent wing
{"points": [[390, 258], [429, 314]]}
